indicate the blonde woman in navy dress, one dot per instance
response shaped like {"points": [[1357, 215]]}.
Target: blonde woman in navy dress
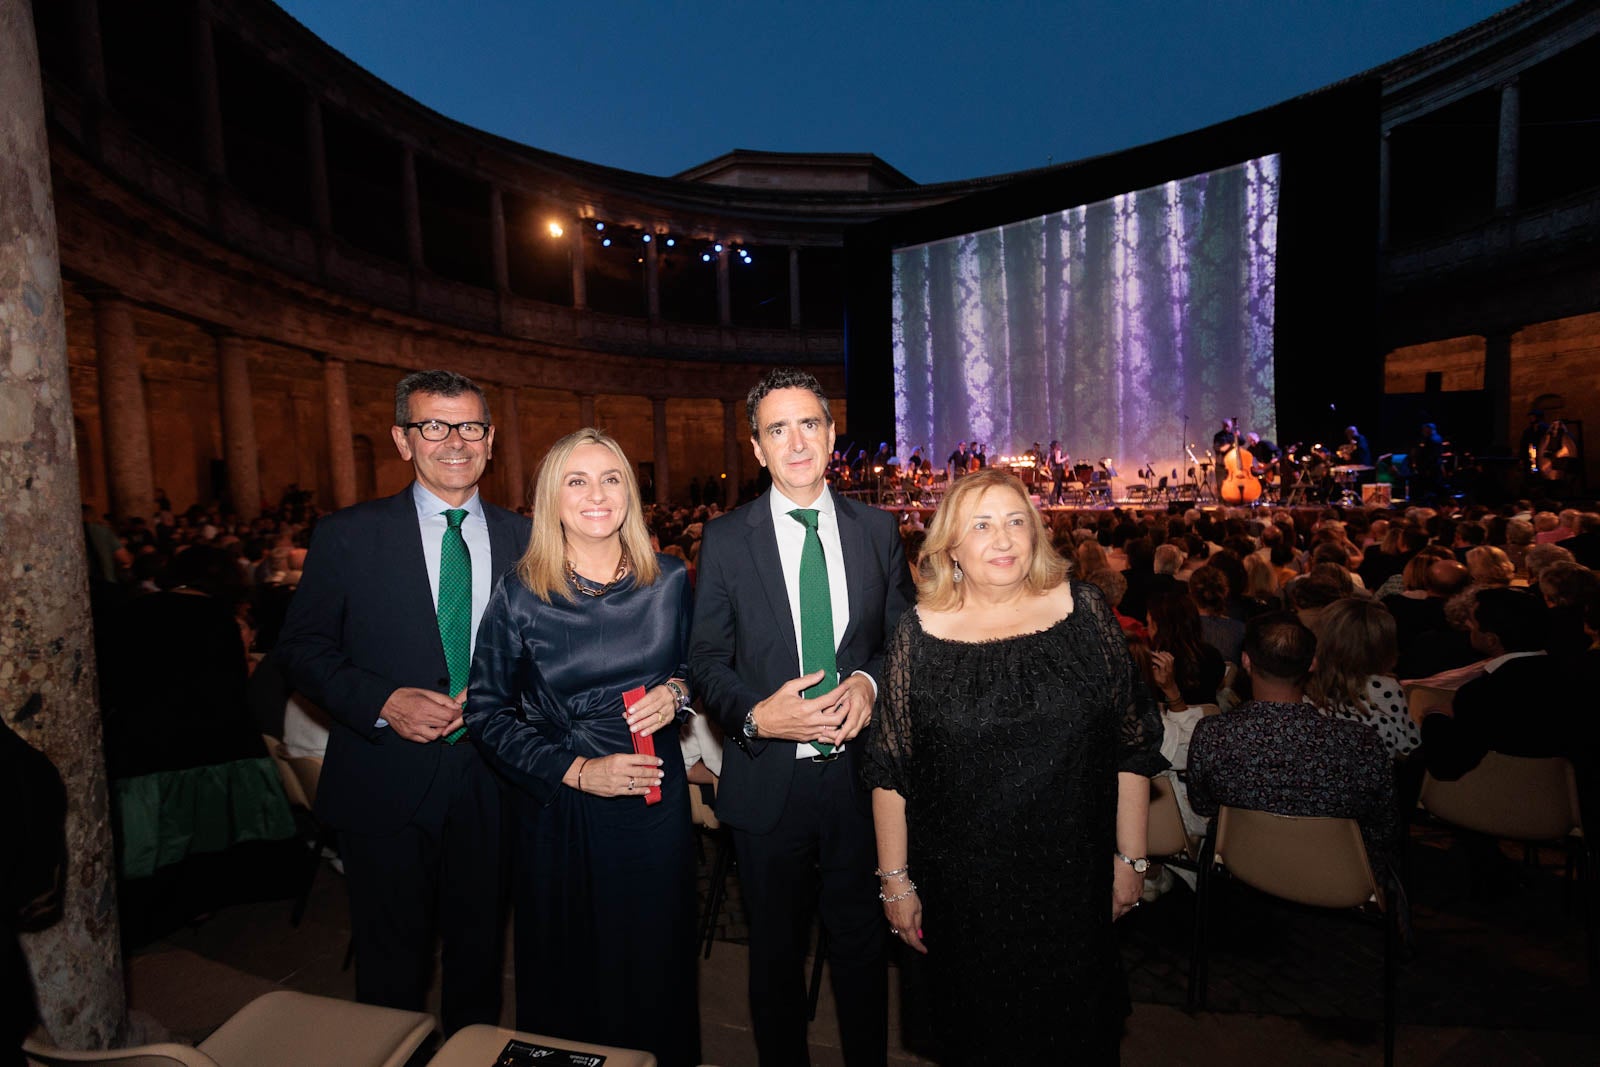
{"points": [[604, 882]]}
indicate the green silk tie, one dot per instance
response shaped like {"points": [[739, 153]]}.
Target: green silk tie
{"points": [[455, 605], [816, 614]]}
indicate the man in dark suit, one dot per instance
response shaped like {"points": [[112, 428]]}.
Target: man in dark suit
{"points": [[797, 595], [379, 633], [1521, 705]]}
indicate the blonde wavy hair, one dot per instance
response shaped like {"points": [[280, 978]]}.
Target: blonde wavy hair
{"points": [[937, 589], [543, 567]]}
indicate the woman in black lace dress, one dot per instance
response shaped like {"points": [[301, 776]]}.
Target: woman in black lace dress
{"points": [[1009, 767]]}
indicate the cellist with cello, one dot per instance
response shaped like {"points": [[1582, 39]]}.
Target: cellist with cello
{"points": [[1240, 486]]}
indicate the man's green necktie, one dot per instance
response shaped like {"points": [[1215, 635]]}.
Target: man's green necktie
{"points": [[455, 605], [816, 614]]}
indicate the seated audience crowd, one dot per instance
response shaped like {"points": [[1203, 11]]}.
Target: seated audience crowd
{"points": [[1305, 629]]}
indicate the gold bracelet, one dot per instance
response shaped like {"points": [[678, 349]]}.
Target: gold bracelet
{"points": [[581, 766]]}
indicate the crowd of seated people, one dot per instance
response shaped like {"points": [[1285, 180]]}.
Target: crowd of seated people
{"points": [[1389, 596], [1356, 605]]}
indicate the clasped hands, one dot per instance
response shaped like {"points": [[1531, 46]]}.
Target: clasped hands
{"points": [[832, 718], [422, 715]]}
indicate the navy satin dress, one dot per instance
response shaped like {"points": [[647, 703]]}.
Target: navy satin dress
{"points": [[605, 890]]}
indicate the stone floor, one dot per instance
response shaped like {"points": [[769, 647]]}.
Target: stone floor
{"points": [[1497, 975]]}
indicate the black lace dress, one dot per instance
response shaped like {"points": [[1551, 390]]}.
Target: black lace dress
{"points": [[1007, 754]]}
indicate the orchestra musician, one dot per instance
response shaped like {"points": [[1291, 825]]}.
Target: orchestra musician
{"points": [[1355, 449], [1058, 460], [1558, 456], [1427, 464], [1223, 442], [958, 460]]}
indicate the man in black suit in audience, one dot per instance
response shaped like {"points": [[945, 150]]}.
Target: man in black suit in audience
{"points": [[376, 634], [792, 690], [1521, 705]]}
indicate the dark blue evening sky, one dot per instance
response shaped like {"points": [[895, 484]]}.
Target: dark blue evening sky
{"points": [[941, 90]]}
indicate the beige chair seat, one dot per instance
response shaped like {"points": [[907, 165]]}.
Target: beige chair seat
{"points": [[279, 1029]]}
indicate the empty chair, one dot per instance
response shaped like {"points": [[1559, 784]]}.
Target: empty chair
{"points": [[1320, 862], [278, 1029], [1533, 800]]}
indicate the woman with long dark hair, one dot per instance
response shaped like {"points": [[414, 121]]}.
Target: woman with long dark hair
{"points": [[1186, 669]]}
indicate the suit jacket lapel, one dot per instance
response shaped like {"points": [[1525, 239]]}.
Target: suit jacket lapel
{"points": [[402, 541], [503, 550], [853, 547], [763, 543]]}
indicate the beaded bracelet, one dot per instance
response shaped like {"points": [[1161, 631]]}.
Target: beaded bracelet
{"points": [[898, 896], [679, 693]]}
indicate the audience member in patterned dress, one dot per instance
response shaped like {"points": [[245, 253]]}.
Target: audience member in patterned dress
{"points": [[1279, 754]]}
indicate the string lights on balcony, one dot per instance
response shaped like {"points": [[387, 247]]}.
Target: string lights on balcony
{"points": [[620, 238]]}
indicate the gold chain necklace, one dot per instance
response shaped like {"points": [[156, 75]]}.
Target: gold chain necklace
{"points": [[588, 588]]}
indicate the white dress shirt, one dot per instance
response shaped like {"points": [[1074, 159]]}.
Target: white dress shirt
{"points": [[791, 542], [474, 531]]}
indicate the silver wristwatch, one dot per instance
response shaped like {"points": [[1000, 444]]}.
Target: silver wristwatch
{"points": [[750, 731]]}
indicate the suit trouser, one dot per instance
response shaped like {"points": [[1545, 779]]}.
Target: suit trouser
{"points": [[437, 876], [818, 858]]}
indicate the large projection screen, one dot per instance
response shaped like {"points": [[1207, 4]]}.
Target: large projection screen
{"points": [[1126, 329]]}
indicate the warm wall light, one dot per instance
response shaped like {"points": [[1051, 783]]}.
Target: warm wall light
{"points": [[555, 229]]}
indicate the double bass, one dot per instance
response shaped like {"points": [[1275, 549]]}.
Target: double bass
{"points": [[1239, 483]]}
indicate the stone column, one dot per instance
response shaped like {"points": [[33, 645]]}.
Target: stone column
{"points": [[580, 283], [1384, 174], [317, 166], [1497, 384], [497, 239], [1507, 150], [91, 70], [47, 666], [412, 206], [724, 294], [341, 447], [208, 93], [91, 54], [239, 450], [652, 278], [734, 437], [658, 405], [508, 448], [585, 409], [794, 287], [123, 417]]}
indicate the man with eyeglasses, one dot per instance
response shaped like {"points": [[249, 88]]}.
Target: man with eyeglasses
{"points": [[380, 634]]}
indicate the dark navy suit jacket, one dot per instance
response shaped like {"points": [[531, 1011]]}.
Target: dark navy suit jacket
{"points": [[742, 645], [361, 625]]}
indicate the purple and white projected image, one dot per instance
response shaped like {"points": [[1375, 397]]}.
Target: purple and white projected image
{"points": [[1102, 326]]}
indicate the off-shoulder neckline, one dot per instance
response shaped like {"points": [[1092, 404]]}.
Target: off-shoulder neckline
{"points": [[1072, 609]]}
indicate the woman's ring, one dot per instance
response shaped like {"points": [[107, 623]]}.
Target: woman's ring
{"points": [[630, 785], [893, 931]]}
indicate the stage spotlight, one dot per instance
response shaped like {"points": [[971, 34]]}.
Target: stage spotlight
{"points": [[716, 248], [599, 226], [605, 242], [555, 229], [705, 257], [671, 242], [645, 238]]}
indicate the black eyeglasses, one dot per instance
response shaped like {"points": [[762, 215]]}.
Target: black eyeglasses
{"points": [[435, 430]]}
